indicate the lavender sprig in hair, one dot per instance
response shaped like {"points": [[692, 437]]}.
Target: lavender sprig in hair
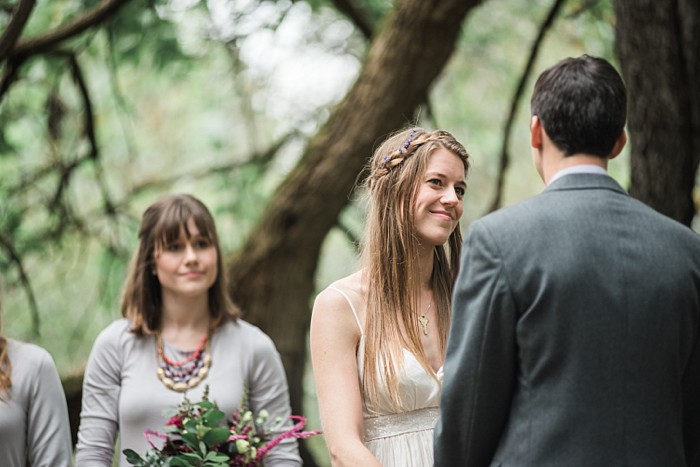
{"points": [[402, 150]]}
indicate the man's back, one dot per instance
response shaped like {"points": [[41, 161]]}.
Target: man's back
{"points": [[607, 294], [574, 333]]}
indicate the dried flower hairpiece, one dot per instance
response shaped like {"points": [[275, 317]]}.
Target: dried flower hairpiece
{"points": [[402, 150]]}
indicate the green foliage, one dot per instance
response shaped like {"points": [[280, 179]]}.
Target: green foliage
{"points": [[200, 436], [138, 34]]}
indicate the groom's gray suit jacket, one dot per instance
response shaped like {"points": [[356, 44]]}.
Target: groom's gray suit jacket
{"points": [[574, 339]]}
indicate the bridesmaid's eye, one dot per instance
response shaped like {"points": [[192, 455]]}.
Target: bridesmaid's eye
{"points": [[174, 247], [202, 243]]}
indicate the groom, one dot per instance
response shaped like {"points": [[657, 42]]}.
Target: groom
{"points": [[575, 334]]}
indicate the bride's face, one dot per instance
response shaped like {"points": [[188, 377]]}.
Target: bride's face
{"points": [[440, 199]]}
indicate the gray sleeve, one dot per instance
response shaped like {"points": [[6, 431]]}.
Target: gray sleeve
{"points": [[48, 429], [269, 391], [480, 364], [99, 416]]}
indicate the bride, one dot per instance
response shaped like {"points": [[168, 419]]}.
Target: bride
{"points": [[378, 336]]}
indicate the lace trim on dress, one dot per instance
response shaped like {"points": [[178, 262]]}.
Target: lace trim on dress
{"points": [[384, 426]]}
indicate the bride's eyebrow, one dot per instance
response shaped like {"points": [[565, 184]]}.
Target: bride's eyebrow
{"points": [[435, 173]]}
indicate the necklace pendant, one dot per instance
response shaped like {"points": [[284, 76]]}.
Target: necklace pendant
{"points": [[423, 321]]}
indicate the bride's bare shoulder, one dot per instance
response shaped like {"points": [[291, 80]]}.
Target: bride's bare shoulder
{"points": [[338, 293]]}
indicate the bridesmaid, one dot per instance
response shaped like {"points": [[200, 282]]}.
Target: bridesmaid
{"points": [[378, 336], [180, 332], [34, 427]]}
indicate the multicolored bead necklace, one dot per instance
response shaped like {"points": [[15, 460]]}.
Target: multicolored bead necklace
{"points": [[186, 374]]}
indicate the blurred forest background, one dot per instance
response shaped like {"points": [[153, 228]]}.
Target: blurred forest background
{"points": [[267, 111]]}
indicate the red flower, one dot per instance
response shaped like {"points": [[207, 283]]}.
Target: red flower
{"points": [[175, 420]]}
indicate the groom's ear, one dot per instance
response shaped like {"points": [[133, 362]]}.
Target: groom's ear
{"points": [[536, 132], [619, 144]]}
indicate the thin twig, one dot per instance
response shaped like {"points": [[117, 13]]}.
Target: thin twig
{"points": [[261, 159], [505, 157], [15, 257]]}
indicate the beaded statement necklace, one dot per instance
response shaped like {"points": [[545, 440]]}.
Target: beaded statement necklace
{"points": [[186, 374]]}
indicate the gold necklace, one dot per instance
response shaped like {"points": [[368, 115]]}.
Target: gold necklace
{"points": [[186, 374], [423, 320]]}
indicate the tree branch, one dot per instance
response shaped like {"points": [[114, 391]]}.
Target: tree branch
{"points": [[8, 76], [505, 157], [89, 132], [15, 27], [357, 16], [7, 245], [89, 120], [67, 170], [48, 41], [261, 159]]}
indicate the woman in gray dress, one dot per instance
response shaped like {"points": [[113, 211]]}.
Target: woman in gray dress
{"points": [[34, 427], [179, 333]]}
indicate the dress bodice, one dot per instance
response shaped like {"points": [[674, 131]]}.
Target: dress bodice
{"points": [[401, 436], [417, 388]]}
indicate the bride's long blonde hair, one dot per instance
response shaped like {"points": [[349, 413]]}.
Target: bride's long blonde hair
{"points": [[389, 255], [5, 365]]}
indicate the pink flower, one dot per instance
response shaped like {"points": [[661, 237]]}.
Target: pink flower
{"points": [[175, 420]]}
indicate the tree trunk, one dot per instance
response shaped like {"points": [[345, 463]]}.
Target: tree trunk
{"points": [[73, 389], [272, 276], [658, 44]]}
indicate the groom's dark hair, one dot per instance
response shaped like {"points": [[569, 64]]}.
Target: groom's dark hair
{"points": [[582, 105]]}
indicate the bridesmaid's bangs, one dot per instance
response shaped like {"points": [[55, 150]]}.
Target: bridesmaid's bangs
{"points": [[174, 220]]}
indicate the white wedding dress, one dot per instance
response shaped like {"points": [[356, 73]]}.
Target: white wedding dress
{"points": [[403, 437]]}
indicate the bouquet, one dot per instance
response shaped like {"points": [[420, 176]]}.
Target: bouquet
{"points": [[198, 435]]}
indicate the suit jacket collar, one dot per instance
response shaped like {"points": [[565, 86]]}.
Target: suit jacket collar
{"points": [[584, 181]]}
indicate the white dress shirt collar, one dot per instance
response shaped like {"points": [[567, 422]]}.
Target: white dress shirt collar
{"points": [[578, 169]]}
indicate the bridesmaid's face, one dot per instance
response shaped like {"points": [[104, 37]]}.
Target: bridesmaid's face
{"points": [[187, 267]]}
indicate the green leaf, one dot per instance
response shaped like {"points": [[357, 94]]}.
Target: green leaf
{"points": [[132, 456], [205, 404], [190, 439], [190, 425], [216, 436], [213, 417], [180, 462], [216, 457]]}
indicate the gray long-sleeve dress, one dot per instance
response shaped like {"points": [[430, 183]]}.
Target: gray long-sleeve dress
{"points": [[122, 394], [34, 426]]}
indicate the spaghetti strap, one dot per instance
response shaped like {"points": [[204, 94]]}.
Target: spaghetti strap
{"points": [[354, 313]]}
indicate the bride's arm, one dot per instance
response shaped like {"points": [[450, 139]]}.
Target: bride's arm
{"points": [[334, 336]]}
